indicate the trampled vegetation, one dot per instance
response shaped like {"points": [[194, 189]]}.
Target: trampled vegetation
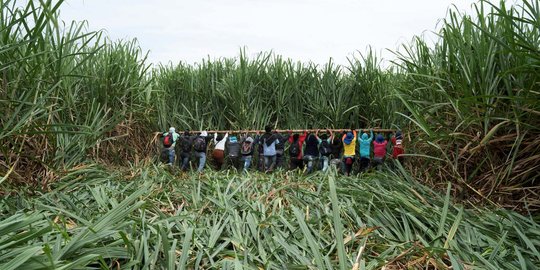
{"points": [[469, 105], [145, 217]]}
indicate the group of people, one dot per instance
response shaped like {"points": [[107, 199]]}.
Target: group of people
{"points": [[311, 151]]}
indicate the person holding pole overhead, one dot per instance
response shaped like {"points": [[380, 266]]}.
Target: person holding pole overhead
{"points": [[169, 143], [325, 148], [365, 150], [219, 149], [379, 151], [200, 145], [349, 151], [296, 142], [269, 141], [311, 153]]}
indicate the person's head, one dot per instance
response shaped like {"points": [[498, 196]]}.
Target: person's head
{"points": [[379, 138], [336, 141], [364, 136], [186, 132], [204, 134], [172, 130], [324, 136], [348, 138], [295, 137], [219, 137], [249, 140], [233, 139], [268, 129], [399, 135]]}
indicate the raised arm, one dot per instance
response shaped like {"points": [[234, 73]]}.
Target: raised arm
{"points": [[371, 134]]}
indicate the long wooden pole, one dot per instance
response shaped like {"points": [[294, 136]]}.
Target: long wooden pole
{"points": [[379, 130]]}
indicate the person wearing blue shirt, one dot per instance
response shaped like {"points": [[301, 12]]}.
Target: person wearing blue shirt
{"points": [[365, 150]]}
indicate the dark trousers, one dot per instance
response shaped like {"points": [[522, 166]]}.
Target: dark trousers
{"points": [[184, 160], [296, 163], [280, 159], [364, 164], [233, 162], [348, 167]]}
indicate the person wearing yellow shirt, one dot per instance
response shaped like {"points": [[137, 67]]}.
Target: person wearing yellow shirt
{"points": [[349, 150]]}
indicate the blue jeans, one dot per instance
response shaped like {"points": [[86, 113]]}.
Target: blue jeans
{"points": [[202, 160], [324, 163], [310, 164], [185, 161], [269, 162], [247, 162], [171, 156]]}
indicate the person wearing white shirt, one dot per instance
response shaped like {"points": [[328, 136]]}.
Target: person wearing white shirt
{"points": [[219, 150]]}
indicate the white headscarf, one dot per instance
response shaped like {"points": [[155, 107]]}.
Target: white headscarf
{"points": [[172, 130], [204, 134]]}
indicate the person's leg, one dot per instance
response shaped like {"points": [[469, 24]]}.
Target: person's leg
{"points": [[171, 157], [260, 163], [309, 161], [363, 164], [378, 163], [273, 160], [185, 161], [202, 161], [247, 162], [324, 163], [292, 164]]}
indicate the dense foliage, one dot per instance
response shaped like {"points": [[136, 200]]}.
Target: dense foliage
{"points": [[146, 218], [468, 105]]}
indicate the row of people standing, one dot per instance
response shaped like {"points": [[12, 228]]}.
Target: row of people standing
{"points": [[309, 150]]}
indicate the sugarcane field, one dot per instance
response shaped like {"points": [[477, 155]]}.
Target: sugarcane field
{"points": [[131, 137]]}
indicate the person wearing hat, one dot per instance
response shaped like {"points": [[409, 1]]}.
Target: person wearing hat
{"points": [[398, 150], [169, 142], [349, 151], [246, 150], [379, 150]]}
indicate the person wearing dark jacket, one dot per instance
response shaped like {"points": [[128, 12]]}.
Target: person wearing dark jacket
{"points": [[296, 142], [311, 153], [233, 149], [325, 148], [185, 144], [246, 150]]}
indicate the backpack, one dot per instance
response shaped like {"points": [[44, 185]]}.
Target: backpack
{"points": [[185, 145], [325, 148], [199, 145], [247, 148], [294, 150], [168, 140]]}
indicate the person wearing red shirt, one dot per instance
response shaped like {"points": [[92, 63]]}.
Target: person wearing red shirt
{"points": [[379, 150], [296, 142], [398, 150]]}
